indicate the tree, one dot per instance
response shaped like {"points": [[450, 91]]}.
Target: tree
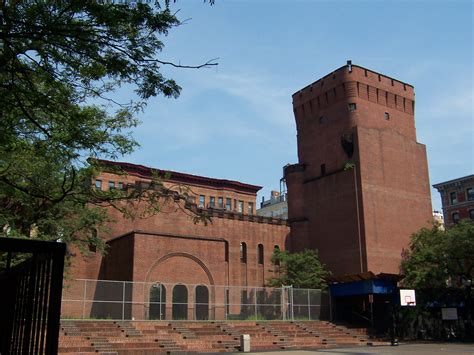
{"points": [[60, 63], [301, 270], [440, 258]]}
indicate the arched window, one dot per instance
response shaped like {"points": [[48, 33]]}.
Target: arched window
{"points": [[455, 217], [243, 252], [202, 303], [180, 302], [275, 249], [157, 302], [260, 253], [226, 251]]}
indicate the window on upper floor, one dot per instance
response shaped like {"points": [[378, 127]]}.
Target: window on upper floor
{"points": [[226, 250], [212, 202], [240, 206], [387, 116], [111, 185], [453, 198], [471, 214], [250, 208], [455, 216], [260, 254], [243, 252], [220, 202], [322, 120], [470, 193], [352, 106], [228, 204], [98, 184], [202, 201], [120, 185]]}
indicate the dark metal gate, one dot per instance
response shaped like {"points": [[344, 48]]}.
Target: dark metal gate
{"points": [[30, 296]]}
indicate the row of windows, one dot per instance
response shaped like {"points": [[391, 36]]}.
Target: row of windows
{"points": [[219, 203], [453, 196], [112, 184], [238, 204], [243, 252], [455, 216]]}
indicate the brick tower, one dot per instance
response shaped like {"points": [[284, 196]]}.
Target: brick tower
{"points": [[361, 185]]}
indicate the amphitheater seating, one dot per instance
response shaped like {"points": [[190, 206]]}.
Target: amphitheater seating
{"points": [[165, 337]]}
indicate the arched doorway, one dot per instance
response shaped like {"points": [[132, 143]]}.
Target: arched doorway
{"points": [[180, 302], [202, 303], [157, 302]]}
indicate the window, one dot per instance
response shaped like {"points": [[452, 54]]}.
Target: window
{"points": [[455, 216], [322, 120], [202, 201], [228, 204], [111, 185], [120, 185], [323, 169], [250, 208], [276, 248], [226, 251], [92, 246], [220, 202], [387, 116], [453, 198], [212, 201], [471, 214], [352, 106], [98, 184], [260, 254], [240, 207], [470, 193], [243, 252]]}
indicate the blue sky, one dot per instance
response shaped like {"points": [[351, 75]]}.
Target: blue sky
{"points": [[235, 121]]}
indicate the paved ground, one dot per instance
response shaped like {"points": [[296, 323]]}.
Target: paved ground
{"points": [[411, 348]]}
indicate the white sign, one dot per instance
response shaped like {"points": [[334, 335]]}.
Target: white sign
{"points": [[449, 313], [407, 298]]}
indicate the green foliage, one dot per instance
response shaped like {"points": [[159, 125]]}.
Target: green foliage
{"points": [[60, 63], [438, 258], [301, 270]]}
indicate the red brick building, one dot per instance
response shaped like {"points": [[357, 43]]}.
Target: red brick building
{"points": [[169, 248], [457, 198], [360, 187]]}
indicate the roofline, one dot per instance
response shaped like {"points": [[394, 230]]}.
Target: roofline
{"points": [[450, 182], [353, 65], [165, 235], [147, 173]]}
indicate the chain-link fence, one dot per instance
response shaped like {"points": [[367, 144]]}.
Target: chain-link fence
{"points": [[104, 299]]}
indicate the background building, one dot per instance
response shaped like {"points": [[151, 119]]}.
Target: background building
{"points": [[457, 198], [360, 187], [275, 207]]}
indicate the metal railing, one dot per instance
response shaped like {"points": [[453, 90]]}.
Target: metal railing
{"points": [[126, 300], [30, 301]]}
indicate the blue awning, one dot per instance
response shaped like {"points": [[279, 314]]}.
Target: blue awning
{"points": [[363, 287]]}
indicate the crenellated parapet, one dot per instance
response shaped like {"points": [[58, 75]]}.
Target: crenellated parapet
{"points": [[351, 81]]}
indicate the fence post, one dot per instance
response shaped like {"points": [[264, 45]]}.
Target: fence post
{"points": [[255, 295], [123, 300], [84, 299], [309, 306], [292, 304]]}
